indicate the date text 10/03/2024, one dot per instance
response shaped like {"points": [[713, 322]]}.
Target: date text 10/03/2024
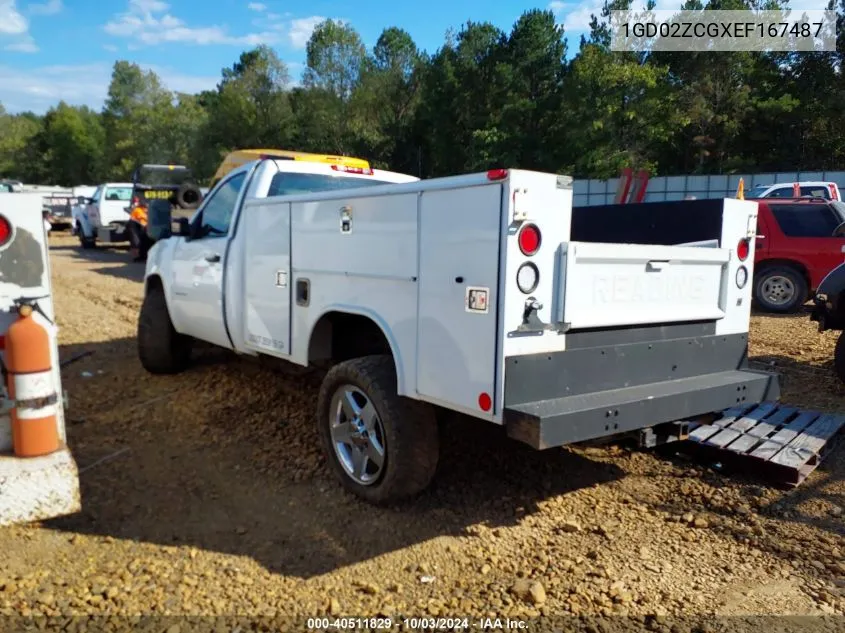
{"points": [[416, 624]]}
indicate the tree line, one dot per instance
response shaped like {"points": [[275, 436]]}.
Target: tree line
{"points": [[485, 98]]}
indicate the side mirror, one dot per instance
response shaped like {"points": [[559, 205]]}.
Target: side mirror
{"points": [[839, 231], [181, 227], [159, 220]]}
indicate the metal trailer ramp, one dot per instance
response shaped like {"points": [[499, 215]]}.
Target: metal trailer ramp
{"points": [[769, 439]]}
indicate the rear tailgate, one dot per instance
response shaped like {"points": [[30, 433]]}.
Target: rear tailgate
{"points": [[608, 285]]}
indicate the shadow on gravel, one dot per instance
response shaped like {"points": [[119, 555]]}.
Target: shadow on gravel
{"points": [[118, 257], [801, 313], [225, 458]]}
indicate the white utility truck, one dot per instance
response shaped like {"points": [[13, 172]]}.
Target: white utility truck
{"points": [[47, 486], [484, 295]]}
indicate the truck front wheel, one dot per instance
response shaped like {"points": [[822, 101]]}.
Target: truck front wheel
{"points": [[161, 349], [85, 241], [384, 448]]}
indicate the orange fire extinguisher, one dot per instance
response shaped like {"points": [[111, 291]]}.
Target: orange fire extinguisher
{"points": [[35, 429]]}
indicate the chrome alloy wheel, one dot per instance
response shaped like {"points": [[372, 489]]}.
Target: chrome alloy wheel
{"points": [[357, 435]]}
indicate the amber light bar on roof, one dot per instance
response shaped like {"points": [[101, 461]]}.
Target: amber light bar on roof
{"points": [[240, 156]]}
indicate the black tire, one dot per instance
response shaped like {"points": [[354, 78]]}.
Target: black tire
{"points": [[783, 277], [411, 441], [839, 357], [188, 196], [85, 242], [161, 349]]}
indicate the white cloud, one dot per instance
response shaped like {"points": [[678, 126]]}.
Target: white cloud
{"points": [[300, 30], [11, 20], [51, 7], [110, 48], [148, 22], [37, 89], [576, 16], [22, 45], [257, 6]]}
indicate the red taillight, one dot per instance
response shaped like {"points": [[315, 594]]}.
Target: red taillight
{"points": [[5, 230], [529, 239], [832, 188], [497, 174], [353, 170], [485, 402], [742, 250]]}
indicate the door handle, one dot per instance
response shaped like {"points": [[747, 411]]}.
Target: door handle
{"points": [[212, 258]]}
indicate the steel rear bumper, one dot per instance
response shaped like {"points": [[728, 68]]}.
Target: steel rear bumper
{"points": [[561, 421], [615, 381]]}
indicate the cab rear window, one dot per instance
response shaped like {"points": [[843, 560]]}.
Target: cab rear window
{"points": [[287, 184], [123, 194]]}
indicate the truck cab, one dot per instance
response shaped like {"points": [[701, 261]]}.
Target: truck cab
{"points": [[808, 189], [483, 295]]}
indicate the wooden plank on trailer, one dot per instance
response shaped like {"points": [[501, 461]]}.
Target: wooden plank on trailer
{"points": [[809, 443], [723, 438], [730, 415], [752, 418], [774, 444], [744, 443], [733, 412], [702, 432], [771, 423], [791, 430], [735, 429]]}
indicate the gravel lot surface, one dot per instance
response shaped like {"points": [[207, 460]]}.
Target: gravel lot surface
{"points": [[215, 501]]}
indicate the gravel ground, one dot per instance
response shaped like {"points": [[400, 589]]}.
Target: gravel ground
{"points": [[215, 501]]}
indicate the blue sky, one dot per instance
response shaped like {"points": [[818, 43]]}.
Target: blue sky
{"points": [[64, 49]]}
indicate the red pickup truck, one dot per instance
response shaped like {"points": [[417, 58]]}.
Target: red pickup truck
{"points": [[799, 241]]}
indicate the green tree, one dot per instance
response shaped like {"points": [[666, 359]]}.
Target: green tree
{"points": [[73, 142], [250, 108], [17, 158], [385, 101], [134, 119], [323, 110]]}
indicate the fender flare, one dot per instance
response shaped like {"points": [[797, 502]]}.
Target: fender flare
{"points": [[381, 324], [85, 225]]}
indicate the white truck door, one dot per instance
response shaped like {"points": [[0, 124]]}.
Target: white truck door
{"points": [[197, 287], [268, 288], [458, 295]]}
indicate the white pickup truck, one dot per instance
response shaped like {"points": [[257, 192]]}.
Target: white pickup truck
{"points": [[484, 295], [104, 216]]}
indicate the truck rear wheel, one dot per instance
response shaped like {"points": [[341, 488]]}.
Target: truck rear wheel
{"points": [[780, 289], [161, 349], [839, 357], [384, 448]]}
